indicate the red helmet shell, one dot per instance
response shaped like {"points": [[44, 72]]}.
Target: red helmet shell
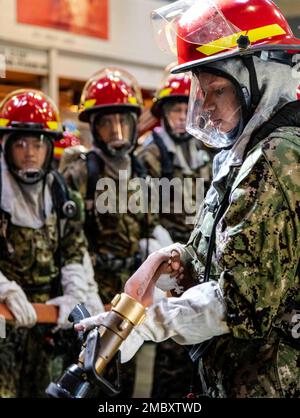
{"points": [[174, 86], [260, 20], [110, 89], [29, 110]]}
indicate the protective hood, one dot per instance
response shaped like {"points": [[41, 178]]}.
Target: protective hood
{"points": [[29, 205], [277, 84], [115, 164]]}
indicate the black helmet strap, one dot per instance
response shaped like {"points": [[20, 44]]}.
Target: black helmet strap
{"points": [[254, 89]]}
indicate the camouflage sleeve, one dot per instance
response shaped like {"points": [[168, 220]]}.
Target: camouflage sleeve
{"points": [[257, 240], [73, 242]]}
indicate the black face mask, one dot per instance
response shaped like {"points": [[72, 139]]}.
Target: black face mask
{"points": [[28, 176]]}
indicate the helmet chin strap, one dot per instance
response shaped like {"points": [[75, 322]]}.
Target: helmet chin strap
{"points": [[255, 94]]}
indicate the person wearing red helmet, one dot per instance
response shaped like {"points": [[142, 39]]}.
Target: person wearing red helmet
{"points": [[111, 102], [42, 244], [243, 316]]}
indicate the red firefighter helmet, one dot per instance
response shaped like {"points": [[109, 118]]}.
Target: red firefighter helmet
{"points": [[110, 89], [210, 30], [69, 139], [174, 86], [29, 110]]}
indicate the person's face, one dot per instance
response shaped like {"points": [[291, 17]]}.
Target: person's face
{"points": [[176, 114], [115, 129], [29, 152], [221, 101]]}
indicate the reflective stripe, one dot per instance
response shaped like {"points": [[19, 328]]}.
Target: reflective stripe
{"points": [[89, 103], [230, 41], [164, 92], [52, 125], [58, 151], [4, 122], [132, 99]]}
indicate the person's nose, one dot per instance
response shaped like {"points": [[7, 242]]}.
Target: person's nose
{"points": [[182, 115], [208, 105], [116, 128], [29, 150]]}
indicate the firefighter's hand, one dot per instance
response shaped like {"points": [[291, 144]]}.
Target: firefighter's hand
{"points": [[65, 304], [91, 322], [141, 284], [16, 300]]}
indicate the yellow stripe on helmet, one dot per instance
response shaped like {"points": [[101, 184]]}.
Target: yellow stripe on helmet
{"points": [[132, 100], [52, 125], [89, 103], [164, 92], [4, 122], [58, 151], [230, 41]]}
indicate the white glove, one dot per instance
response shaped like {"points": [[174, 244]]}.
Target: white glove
{"points": [[93, 301], [167, 283], [198, 315], [65, 304], [16, 300], [75, 288]]}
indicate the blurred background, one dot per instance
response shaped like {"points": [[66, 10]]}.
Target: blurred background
{"points": [[55, 45]]}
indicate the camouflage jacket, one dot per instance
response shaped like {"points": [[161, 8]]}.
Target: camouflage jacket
{"points": [[177, 222], [113, 237], [256, 258], [30, 256]]}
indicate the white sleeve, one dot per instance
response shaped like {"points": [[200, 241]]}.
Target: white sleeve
{"points": [[74, 282], [196, 316]]}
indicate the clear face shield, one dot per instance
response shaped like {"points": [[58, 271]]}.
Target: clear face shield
{"points": [[175, 117], [28, 156], [203, 22], [116, 131], [215, 110], [176, 113]]}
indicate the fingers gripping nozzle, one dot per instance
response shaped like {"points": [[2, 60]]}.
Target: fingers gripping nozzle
{"points": [[100, 347]]}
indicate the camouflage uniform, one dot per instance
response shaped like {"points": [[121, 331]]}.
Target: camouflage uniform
{"points": [[28, 258], [256, 259], [170, 380], [113, 244]]}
